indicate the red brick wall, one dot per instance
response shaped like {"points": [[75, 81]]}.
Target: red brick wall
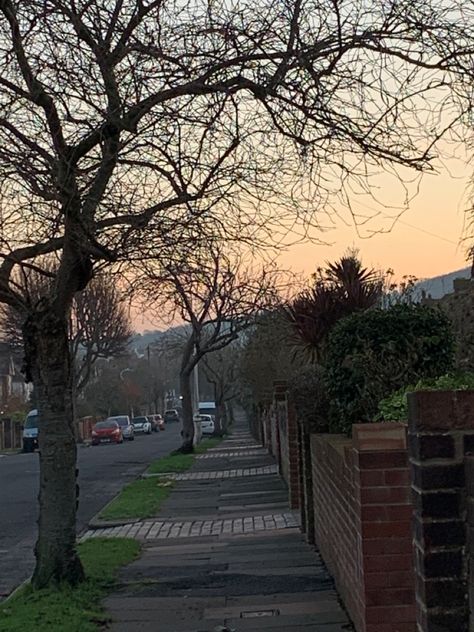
{"points": [[274, 434], [294, 465], [287, 428], [282, 421], [362, 519]]}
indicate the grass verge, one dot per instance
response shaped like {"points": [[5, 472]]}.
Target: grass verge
{"points": [[139, 499], [181, 462], [69, 609], [142, 498]]}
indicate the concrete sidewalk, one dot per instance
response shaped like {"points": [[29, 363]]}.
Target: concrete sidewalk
{"points": [[225, 553]]}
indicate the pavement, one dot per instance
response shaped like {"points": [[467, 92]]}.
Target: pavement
{"points": [[225, 554], [103, 471]]}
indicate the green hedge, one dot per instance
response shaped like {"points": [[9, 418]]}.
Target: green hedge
{"points": [[374, 353], [395, 407]]}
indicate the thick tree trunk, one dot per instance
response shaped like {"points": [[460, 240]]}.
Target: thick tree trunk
{"points": [[48, 360], [187, 411]]}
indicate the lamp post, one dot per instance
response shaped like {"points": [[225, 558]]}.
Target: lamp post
{"points": [[128, 369], [124, 371]]}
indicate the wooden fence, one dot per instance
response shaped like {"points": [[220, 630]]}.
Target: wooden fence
{"points": [[10, 435]]}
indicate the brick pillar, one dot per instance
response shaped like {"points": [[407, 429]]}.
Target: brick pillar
{"points": [[383, 512], [293, 457], [469, 471], [441, 427], [302, 503], [306, 483]]}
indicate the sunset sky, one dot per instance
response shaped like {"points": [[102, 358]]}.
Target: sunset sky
{"points": [[426, 241]]}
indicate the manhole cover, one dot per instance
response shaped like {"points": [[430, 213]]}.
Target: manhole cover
{"points": [[253, 614]]}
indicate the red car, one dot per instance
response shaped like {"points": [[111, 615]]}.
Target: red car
{"points": [[106, 432]]}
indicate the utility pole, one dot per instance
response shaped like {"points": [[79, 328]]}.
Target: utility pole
{"points": [[196, 388]]}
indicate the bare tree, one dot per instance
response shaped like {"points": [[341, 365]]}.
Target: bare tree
{"points": [[100, 327], [266, 356], [221, 370], [218, 295], [125, 122]]}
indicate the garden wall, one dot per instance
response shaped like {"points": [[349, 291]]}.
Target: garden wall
{"points": [[362, 518], [287, 432]]}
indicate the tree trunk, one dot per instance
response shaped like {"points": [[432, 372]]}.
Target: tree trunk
{"points": [[187, 411], [224, 423], [48, 363], [219, 426], [230, 415]]}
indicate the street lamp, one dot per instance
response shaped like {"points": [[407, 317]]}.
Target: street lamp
{"points": [[122, 380], [124, 371]]}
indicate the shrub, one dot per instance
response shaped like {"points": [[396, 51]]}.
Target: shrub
{"points": [[309, 393], [375, 353], [395, 407]]}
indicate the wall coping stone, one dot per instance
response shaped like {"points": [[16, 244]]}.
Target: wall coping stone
{"points": [[441, 410], [378, 437]]}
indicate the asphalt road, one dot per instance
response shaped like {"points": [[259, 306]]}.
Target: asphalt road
{"points": [[103, 470]]}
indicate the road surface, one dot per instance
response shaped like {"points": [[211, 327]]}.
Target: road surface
{"points": [[103, 470]]}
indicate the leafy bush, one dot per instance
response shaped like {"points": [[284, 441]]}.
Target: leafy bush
{"points": [[309, 393], [395, 407], [375, 353]]}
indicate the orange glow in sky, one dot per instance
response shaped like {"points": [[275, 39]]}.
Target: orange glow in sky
{"points": [[425, 242]]}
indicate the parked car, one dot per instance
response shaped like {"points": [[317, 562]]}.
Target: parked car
{"points": [[126, 427], [157, 422], [141, 425], [30, 431], [106, 432], [160, 421], [207, 424], [207, 408], [171, 415]]}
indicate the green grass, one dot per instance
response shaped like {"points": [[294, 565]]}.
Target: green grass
{"points": [[181, 462], [206, 444], [69, 609], [171, 463], [140, 499]]}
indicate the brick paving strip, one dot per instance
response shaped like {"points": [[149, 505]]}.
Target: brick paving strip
{"points": [[216, 474], [161, 529], [233, 445], [231, 453]]}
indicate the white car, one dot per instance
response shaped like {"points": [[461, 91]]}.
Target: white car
{"points": [[207, 424], [141, 425]]}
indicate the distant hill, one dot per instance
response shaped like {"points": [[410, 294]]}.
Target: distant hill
{"points": [[141, 341], [439, 286]]}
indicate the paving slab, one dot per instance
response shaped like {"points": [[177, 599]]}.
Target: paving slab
{"points": [[240, 560]]}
